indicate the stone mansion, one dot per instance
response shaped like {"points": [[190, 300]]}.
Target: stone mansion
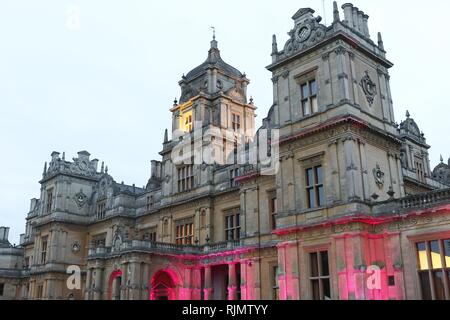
{"points": [[352, 209]]}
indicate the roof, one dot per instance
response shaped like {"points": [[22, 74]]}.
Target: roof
{"points": [[214, 60]]}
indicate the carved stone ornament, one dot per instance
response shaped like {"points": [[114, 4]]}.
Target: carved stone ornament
{"points": [[379, 176], [305, 35], [369, 88], [76, 247], [80, 199]]}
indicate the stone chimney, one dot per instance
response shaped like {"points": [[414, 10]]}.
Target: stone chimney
{"points": [[4, 234], [348, 13], [366, 25], [360, 22], [84, 155], [55, 156], [355, 18]]}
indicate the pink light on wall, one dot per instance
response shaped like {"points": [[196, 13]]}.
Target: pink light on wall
{"points": [[164, 285], [114, 275]]}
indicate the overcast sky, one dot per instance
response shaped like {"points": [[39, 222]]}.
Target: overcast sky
{"points": [[107, 87]]}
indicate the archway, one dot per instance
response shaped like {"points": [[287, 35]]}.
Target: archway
{"points": [[163, 286], [114, 284]]}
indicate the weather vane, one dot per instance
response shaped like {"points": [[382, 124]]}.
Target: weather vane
{"points": [[214, 32]]}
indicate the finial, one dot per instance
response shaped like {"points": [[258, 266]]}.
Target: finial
{"points": [[274, 45], [407, 114], [380, 41], [166, 136], [103, 167], [45, 168], [442, 159], [336, 16], [106, 170], [251, 100], [175, 102], [64, 156], [214, 42]]}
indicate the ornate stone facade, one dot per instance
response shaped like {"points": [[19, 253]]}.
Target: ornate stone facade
{"points": [[351, 211]]}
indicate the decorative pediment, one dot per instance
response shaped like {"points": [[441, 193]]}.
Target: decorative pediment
{"points": [[306, 33]]}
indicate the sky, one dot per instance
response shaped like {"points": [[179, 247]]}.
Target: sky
{"points": [[105, 83]]}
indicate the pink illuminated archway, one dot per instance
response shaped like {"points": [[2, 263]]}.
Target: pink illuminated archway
{"points": [[114, 275], [164, 285]]}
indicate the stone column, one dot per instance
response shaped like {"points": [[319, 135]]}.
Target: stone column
{"points": [[341, 267], [342, 74], [334, 185], [124, 285], [87, 294], [196, 284], [98, 289], [135, 280], [145, 294], [232, 281], [400, 177], [383, 98], [327, 92], [281, 249], [364, 170], [351, 160], [208, 290], [254, 269]]}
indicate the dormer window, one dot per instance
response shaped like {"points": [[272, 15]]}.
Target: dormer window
{"points": [[309, 103], [188, 123]]}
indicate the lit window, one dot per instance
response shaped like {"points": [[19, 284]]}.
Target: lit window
{"points": [[320, 276], [433, 261], [314, 187], [184, 232], [309, 98], [232, 224]]}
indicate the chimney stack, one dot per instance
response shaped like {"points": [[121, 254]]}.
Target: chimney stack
{"points": [[366, 25], [355, 18], [360, 22], [4, 234], [348, 13]]}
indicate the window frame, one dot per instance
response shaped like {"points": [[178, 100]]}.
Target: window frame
{"points": [[44, 249], [310, 98], [320, 276], [236, 121], [235, 228], [184, 231], [49, 200], [185, 178], [315, 186], [430, 271]]}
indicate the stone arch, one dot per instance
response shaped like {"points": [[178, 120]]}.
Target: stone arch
{"points": [[164, 285], [114, 286]]}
